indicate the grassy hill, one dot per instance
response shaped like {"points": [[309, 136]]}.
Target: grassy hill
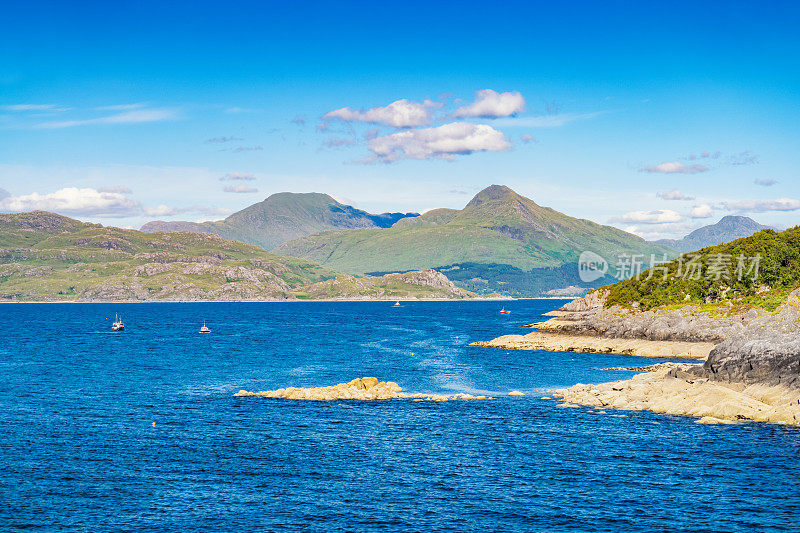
{"points": [[767, 286], [44, 256], [283, 217], [497, 228]]}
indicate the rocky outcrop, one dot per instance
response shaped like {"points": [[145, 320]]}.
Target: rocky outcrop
{"points": [[557, 342], [423, 284], [364, 389], [593, 300], [672, 389], [774, 360]]}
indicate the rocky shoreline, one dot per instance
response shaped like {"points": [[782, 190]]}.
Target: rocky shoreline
{"points": [[559, 342], [750, 369], [674, 389]]}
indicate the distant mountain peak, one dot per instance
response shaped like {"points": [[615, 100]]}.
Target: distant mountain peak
{"points": [[493, 193], [727, 229], [285, 216]]}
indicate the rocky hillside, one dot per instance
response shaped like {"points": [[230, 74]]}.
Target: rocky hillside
{"points": [[48, 257], [496, 243], [753, 320], [760, 270], [416, 284], [283, 217]]}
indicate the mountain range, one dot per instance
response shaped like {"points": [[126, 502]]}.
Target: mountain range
{"points": [[283, 217], [46, 257], [728, 229], [501, 241]]}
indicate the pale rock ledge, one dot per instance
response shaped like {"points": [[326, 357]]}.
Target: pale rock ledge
{"points": [[670, 389], [365, 389]]}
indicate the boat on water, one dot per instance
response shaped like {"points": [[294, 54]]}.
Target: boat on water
{"points": [[204, 329], [118, 324], [504, 312], [396, 304]]}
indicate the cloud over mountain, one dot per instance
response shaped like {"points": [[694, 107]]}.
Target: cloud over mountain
{"points": [[240, 189], [443, 142], [75, 201], [761, 206], [658, 216]]}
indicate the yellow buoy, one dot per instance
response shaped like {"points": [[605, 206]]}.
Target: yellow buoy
{"points": [[154, 424]]}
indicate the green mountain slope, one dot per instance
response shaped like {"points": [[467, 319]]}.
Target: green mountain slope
{"points": [[726, 274], [283, 217], [48, 257], [498, 227]]}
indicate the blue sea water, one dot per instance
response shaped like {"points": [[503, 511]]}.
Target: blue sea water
{"points": [[78, 451]]}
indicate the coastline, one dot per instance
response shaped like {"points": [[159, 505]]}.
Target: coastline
{"points": [[668, 389], [749, 372], [561, 342], [272, 300]]}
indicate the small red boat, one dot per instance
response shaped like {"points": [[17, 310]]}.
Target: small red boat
{"points": [[504, 312]]}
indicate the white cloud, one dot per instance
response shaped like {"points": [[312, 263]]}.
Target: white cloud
{"points": [[74, 201], [443, 142], [705, 155], [701, 211], [240, 189], [528, 138], [653, 232], [674, 167], [658, 216], [127, 117], [240, 110], [237, 176], [491, 104], [162, 211], [674, 194], [743, 159], [337, 142], [761, 206], [768, 182], [211, 211], [33, 107], [115, 188], [399, 114], [546, 121], [121, 107], [221, 140], [248, 149]]}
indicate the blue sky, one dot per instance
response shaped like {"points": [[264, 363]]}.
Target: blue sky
{"points": [[656, 117]]}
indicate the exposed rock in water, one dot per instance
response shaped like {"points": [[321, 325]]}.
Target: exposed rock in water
{"points": [[365, 389]]}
